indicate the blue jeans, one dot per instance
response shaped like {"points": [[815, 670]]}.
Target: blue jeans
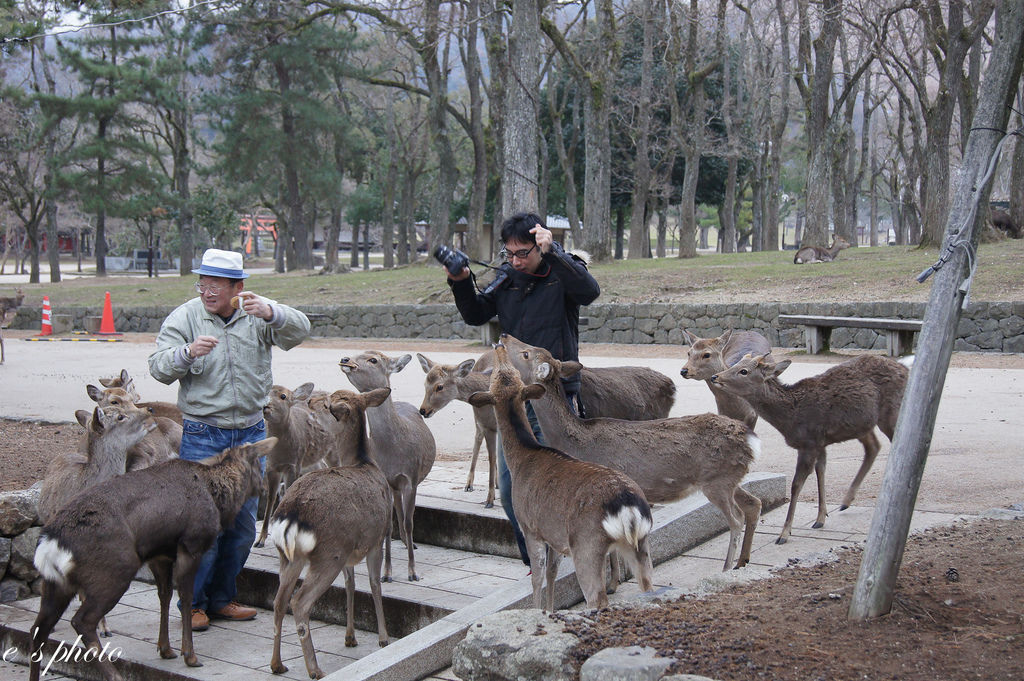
{"points": [[505, 477], [219, 566]]}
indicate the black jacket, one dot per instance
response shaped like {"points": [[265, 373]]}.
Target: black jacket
{"points": [[539, 309]]}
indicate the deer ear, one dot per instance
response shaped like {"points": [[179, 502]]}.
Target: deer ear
{"points": [[425, 363], [82, 416], [464, 368], [95, 394], [780, 366], [399, 364], [724, 338], [96, 424], [534, 391], [569, 367], [543, 370], [689, 337], [261, 448], [106, 382], [376, 397], [481, 399], [303, 391]]}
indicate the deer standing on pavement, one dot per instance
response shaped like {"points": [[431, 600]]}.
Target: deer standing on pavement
{"points": [[669, 458], [564, 505], [400, 442], [8, 309], [809, 254], [845, 402], [165, 516], [631, 393], [331, 519], [708, 356]]}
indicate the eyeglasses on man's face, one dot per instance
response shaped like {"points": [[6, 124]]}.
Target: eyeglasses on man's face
{"points": [[212, 289], [522, 253]]}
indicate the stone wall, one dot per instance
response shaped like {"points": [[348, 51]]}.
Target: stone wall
{"points": [[19, 534], [990, 327]]}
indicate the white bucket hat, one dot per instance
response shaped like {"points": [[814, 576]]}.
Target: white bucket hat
{"points": [[218, 263]]}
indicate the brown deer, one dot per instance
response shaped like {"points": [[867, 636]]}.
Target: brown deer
{"points": [[165, 516], [669, 458], [564, 505], [300, 444], [631, 393], [160, 444], [708, 356], [845, 402], [163, 409], [819, 253], [400, 442], [8, 309], [332, 519]]}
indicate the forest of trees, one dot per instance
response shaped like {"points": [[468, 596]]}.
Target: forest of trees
{"points": [[168, 121]]}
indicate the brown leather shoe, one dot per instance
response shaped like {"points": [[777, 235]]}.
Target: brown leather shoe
{"points": [[200, 622], [235, 612]]}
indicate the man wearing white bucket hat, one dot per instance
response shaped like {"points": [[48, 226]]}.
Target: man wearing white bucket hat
{"points": [[218, 348]]}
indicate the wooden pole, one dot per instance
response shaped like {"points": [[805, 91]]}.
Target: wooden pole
{"points": [[887, 537]]}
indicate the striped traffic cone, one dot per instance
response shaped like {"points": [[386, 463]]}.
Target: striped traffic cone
{"points": [[47, 329]]}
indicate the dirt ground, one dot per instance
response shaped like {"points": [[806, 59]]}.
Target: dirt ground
{"points": [[959, 611]]}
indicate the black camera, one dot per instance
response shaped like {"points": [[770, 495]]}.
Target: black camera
{"points": [[453, 259]]}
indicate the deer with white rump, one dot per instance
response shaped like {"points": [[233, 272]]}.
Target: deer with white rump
{"points": [[564, 505], [400, 442], [331, 519], [708, 356], [844, 403], [668, 458], [631, 393], [165, 516]]}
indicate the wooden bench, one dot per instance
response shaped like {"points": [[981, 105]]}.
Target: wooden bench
{"points": [[818, 330]]}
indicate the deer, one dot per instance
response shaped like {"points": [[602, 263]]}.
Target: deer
{"points": [[331, 520], [300, 444], [809, 254], [160, 444], [708, 356], [165, 516], [631, 393], [164, 409], [845, 402], [400, 442], [1001, 220], [8, 309], [668, 458], [566, 506]]}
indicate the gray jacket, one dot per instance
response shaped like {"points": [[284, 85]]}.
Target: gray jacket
{"points": [[227, 388]]}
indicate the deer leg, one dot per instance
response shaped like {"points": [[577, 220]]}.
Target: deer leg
{"points": [[614, 573], [751, 509], [551, 560], [819, 473], [273, 492], [490, 438], [478, 438], [373, 560], [161, 569], [320, 575], [185, 566], [804, 462], [535, 548], [589, 562], [392, 509], [408, 509], [52, 605], [97, 603], [871, 447], [350, 608], [288, 575], [723, 500]]}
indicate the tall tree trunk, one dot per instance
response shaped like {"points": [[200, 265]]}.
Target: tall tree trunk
{"points": [[481, 243], [519, 181], [497, 61], [639, 237], [447, 172]]}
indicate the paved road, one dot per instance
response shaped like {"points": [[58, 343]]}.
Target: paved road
{"points": [[976, 460]]}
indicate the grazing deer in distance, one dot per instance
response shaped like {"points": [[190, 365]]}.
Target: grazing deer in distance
{"points": [[844, 403], [809, 254], [8, 309], [564, 505]]}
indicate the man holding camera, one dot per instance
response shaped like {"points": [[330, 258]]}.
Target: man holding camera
{"points": [[536, 295]]}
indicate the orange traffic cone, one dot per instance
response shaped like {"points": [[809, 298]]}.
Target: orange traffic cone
{"points": [[47, 329], [107, 322]]}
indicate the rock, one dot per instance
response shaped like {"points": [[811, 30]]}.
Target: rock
{"points": [[515, 645], [13, 590], [18, 511], [686, 677], [23, 550], [633, 663]]}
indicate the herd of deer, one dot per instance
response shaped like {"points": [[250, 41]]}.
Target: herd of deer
{"points": [[339, 464]]}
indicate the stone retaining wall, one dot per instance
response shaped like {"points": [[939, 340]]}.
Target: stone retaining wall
{"points": [[19, 534], [991, 327]]}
